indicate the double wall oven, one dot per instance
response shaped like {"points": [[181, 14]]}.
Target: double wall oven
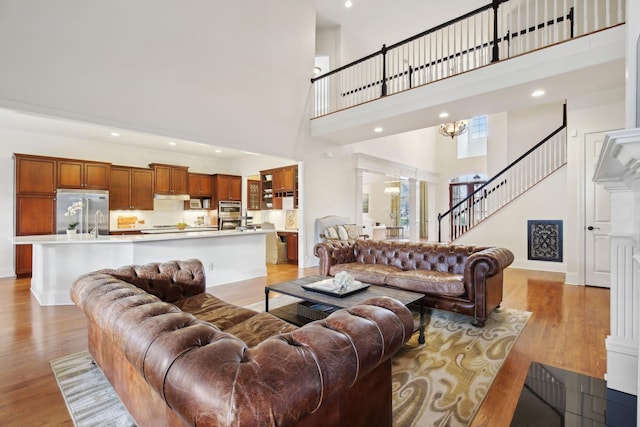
{"points": [[229, 215]]}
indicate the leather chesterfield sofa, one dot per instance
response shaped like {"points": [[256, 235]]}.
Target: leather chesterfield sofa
{"points": [[179, 356], [463, 279]]}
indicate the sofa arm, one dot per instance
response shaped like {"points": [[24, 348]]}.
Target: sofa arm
{"points": [[334, 252], [482, 265], [169, 281], [286, 377]]}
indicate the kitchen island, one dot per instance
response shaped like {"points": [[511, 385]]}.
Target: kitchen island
{"points": [[228, 256]]}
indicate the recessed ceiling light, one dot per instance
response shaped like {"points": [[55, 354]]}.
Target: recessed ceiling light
{"points": [[217, 150], [115, 134], [378, 130], [536, 93], [171, 143], [444, 115], [348, 3]]}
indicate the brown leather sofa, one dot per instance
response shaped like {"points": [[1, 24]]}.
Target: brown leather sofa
{"points": [[179, 356], [459, 278]]}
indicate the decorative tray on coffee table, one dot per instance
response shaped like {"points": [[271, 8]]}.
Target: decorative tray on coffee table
{"points": [[328, 287]]}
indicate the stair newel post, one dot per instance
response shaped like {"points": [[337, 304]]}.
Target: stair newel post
{"points": [[383, 51], [496, 50]]}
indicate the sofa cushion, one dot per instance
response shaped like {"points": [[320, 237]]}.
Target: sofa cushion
{"points": [[258, 328], [211, 309], [367, 273], [428, 282]]}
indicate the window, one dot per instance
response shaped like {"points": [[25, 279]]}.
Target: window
{"points": [[473, 143]]}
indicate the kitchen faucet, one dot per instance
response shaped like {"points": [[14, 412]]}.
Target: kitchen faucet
{"points": [[99, 217]]}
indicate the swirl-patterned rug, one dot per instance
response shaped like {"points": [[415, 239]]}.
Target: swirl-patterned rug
{"points": [[443, 382], [440, 383]]}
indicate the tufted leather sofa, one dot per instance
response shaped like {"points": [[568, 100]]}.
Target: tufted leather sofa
{"points": [[459, 278], [179, 356]]}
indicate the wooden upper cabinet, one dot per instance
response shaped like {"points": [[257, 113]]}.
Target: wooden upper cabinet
{"points": [[226, 187], [199, 185], [131, 188], [142, 189], [170, 179], [35, 175], [83, 174]]}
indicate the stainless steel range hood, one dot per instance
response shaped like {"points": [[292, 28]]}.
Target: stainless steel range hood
{"points": [[159, 196]]}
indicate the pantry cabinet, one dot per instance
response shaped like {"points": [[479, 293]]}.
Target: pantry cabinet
{"points": [[131, 188], [35, 203]]}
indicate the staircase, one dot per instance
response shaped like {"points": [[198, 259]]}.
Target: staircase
{"points": [[522, 174]]}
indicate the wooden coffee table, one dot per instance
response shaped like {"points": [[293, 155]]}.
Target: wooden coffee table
{"points": [[291, 312]]}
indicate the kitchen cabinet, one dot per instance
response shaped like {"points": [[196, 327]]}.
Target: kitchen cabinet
{"points": [[226, 187], [131, 188], [35, 214], [170, 179], [83, 174], [291, 237], [35, 174], [200, 185], [35, 203], [253, 195], [277, 184]]}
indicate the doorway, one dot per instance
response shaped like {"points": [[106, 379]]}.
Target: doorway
{"points": [[597, 263]]}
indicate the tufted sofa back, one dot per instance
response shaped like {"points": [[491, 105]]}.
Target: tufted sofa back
{"points": [[169, 281], [415, 256]]}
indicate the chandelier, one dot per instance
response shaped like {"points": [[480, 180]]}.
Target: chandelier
{"points": [[392, 190], [453, 129]]}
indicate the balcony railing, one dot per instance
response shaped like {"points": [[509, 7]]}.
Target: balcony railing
{"points": [[495, 32]]}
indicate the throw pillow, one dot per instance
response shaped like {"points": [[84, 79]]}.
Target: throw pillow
{"points": [[342, 232], [353, 231], [331, 233]]}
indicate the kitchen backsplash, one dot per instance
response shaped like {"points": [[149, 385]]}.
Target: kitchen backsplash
{"points": [[170, 212]]}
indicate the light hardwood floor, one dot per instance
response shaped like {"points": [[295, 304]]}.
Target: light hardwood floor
{"points": [[567, 329]]}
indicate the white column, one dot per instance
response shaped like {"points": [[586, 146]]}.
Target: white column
{"points": [[359, 189], [632, 27], [432, 216], [414, 211]]}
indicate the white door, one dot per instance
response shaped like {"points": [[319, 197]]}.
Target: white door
{"points": [[597, 218]]}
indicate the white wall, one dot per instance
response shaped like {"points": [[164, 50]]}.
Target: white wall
{"points": [[508, 227]]}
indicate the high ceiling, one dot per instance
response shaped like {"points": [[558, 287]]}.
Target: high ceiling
{"points": [[370, 23]]}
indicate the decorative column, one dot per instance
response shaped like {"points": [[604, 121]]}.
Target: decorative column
{"points": [[618, 170], [414, 211]]}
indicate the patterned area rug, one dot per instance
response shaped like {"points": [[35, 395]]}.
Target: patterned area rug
{"points": [[440, 383], [444, 381], [89, 397]]}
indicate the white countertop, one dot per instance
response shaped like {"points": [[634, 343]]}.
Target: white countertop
{"points": [[62, 239]]}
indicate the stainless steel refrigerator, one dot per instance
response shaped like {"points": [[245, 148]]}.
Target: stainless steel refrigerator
{"points": [[95, 210]]}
